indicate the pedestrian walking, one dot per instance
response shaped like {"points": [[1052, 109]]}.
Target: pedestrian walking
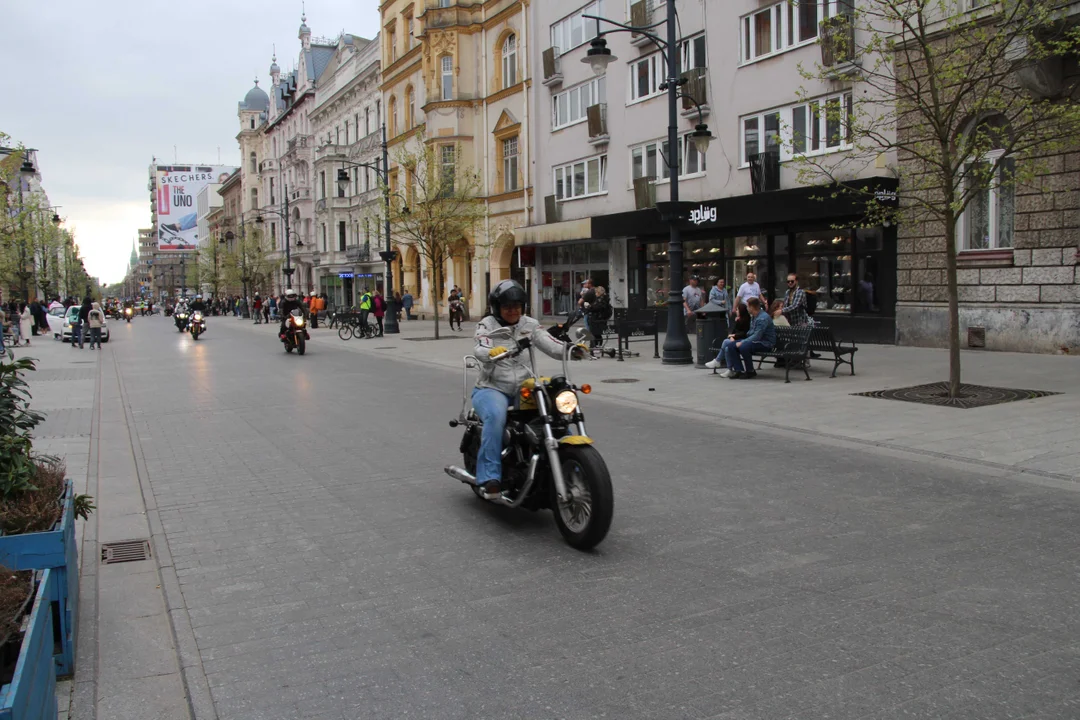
{"points": [[407, 303], [82, 327], [397, 306], [95, 318], [273, 308], [378, 306], [12, 312], [26, 322]]}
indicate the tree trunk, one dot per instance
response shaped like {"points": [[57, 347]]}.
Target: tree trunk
{"points": [[435, 294], [954, 306]]}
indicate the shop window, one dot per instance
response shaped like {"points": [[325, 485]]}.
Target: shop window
{"points": [[825, 265], [869, 248]]}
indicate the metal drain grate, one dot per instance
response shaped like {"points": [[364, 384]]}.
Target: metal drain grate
{"points": [[125, 551], [620, 380]]}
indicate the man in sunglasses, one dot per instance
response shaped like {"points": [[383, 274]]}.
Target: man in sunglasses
{"points": [[795, 302]]}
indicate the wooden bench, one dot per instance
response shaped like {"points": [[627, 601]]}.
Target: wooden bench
{"points": [[822, 341], [793, 346]]}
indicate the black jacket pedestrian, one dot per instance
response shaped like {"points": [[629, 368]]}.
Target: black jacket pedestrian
{"points": [[84, 311]]}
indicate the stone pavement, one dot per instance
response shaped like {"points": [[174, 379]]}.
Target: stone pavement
{"points": [[317, 564], [1040, 437]]}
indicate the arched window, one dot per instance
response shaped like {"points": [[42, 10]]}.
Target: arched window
{"points": [[447, 64], [509, 61], [254, 163], [410, 103], [987, 222], [393, 116]]}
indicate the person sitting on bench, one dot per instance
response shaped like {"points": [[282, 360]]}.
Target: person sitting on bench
{"points": [[762, 336], [741, 328]]}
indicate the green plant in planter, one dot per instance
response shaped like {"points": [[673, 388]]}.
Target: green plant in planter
{"points": [[17, 420]]}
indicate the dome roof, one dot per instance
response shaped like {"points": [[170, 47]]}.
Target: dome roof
{"points": [[257, 99], [274, 67]]}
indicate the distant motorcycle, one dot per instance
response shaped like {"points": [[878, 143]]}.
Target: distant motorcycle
{"points": [[197, 325], [181, 319], [296, 334], [128, 313]]}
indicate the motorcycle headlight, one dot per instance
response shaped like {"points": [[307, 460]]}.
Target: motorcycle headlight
{"points": [[198, 317], [299, 322], [566, 402]]}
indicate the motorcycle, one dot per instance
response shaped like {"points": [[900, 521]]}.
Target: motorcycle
{"points": [[181, 319], [296, 334], [548, 459], [128, 312], [197, 325]]}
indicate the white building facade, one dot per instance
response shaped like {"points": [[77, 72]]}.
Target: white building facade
{"points": [[345, 120], [600, 143]]}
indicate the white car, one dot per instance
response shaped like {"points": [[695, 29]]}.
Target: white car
{"points": [[60, 324]]}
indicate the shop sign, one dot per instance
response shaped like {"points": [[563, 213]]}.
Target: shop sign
{"points": [[703, 214], [345, 275], [885, 197]]}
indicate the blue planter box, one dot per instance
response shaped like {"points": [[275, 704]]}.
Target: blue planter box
{"points": [[54, 550], [32, 692]]}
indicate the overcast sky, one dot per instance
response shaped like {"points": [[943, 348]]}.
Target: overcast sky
{"points": [[100, 88]]}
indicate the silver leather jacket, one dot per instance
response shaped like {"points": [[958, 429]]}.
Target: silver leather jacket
{"points": [[506, 375]]}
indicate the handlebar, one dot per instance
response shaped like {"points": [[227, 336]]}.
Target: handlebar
{"points": [[523, 345]]}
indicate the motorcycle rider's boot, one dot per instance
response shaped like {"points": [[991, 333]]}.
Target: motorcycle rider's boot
{"points": [[491, 489]]}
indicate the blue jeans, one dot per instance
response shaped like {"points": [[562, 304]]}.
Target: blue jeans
{"points": [[77, 334], [95, 337], [491, 405], [736, 356]]}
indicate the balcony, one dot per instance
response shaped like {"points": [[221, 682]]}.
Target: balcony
{"points": [[358, 253], [644, 193], [551, 210], [292, 147], [300, 194], [696, 87], [598, 128], [765, 171], [640, 17], [552, 67], [266, 165]]}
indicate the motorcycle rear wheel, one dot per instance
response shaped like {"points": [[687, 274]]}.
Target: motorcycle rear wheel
{"points": [[585, 520]]}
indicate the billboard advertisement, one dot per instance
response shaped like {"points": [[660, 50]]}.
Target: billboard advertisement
{"points": [[177, 188]]}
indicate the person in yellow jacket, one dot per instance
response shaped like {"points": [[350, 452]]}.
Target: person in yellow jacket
{"points": [[365, 306]]}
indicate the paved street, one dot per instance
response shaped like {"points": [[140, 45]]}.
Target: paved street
{"points": [[318, 564]]}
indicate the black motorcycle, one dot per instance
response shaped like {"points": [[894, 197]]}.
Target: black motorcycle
{"points": [[196, 325], [296, 335], [181, 320], [548, 459]]}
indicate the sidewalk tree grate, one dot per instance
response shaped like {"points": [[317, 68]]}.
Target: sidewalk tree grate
{"points": [[125, 551], [971, 396], [620, 380]]}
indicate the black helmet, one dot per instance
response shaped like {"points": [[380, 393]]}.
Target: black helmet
{"points": [[507, 292]]}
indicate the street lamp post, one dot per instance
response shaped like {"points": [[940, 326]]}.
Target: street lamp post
{"points": [[284, 215], [390, 324], [677, 350]]}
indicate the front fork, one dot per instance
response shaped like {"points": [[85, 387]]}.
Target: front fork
{"points": [[552, 447]]}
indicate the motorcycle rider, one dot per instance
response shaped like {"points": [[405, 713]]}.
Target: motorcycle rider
{"points": [[290, 303], [198, 305], [499, 380]]}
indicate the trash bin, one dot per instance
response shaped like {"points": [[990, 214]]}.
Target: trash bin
{"points": [[711, 325]]}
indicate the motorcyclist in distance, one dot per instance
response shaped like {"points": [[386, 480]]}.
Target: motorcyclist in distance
{"points": [[198, 305], [290, 303], [506, 327]]}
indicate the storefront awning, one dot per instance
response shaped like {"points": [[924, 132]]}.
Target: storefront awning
{"points": [[565, 231]]}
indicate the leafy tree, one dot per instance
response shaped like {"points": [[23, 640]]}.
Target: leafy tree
{"points": [[441, 206], [248, 262], [937, 91], [212, 259]]}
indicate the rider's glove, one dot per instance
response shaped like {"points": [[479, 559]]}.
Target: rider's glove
{"points": [[579, 352], [496, 351]]}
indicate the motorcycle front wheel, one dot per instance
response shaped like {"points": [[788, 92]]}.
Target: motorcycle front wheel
{"points": [[586, 518], [301, 344]]}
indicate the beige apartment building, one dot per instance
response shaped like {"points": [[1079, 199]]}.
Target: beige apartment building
{"points": [[458, 74]]}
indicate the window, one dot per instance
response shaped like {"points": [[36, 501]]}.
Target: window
{"points": [[412, 34], [337, 135], [346, 132], [254, 198], [575, 30], [252, 123], [392, 41], [447, 64], [581, 178], [410, 102], [323, 237], [254, 162], [570, 106], [811, 128], [342, 236], [273, 235], [322, 184], [651, 159], [393, 116], [509, 61], [273, 198], [510, 164], [444, 3], [646, 75], [367, 121], [340, 190], [447, 163], [692, 53], [987, 222], [784, 25]]}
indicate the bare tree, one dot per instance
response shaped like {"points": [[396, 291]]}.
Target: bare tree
{"points": [[963, 96], [441, 207]]}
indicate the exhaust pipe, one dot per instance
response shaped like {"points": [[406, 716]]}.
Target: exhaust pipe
{"points": [[460, 474]]}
